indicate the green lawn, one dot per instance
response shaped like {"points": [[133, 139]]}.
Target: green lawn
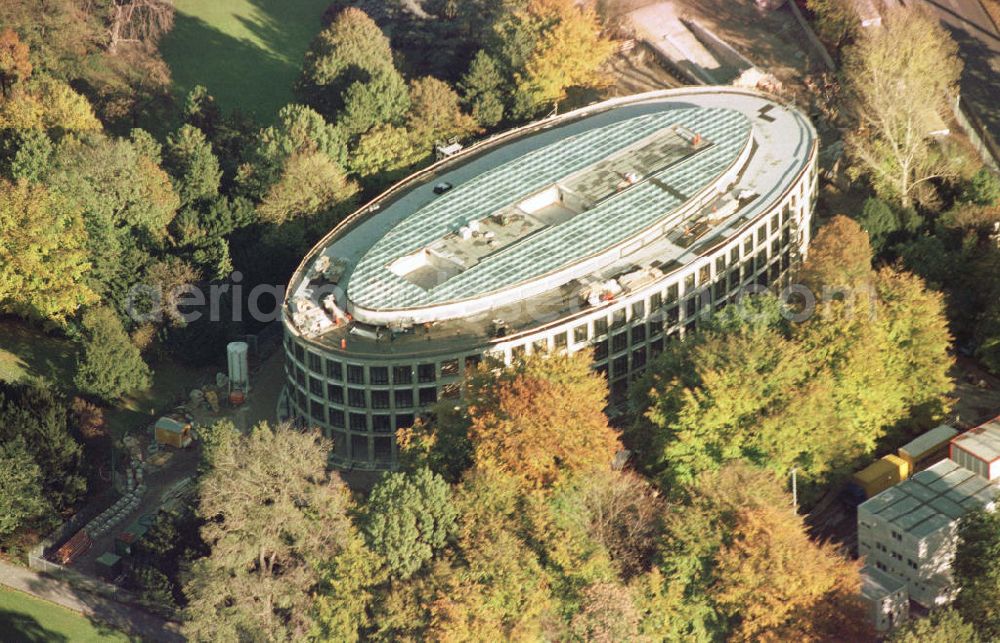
{"points": [[28, 619], [29, 354], [247, 52]]}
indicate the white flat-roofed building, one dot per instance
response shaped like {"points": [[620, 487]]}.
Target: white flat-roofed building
{"points": [[886, 597], [910, 530], [978, 449], [616, 227]]}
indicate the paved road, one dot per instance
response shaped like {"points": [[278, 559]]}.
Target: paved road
{"points": [[121, 617], [979, 45]]}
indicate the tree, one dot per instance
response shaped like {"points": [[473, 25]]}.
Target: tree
{"points": [[879, 221], [43, 264], [139, 21], [903, 78], [25, 154], [983, 188], [201, 111], [38, 418], [310, 185], [22, 499], [435, 113], [193, 166], [482, 90], [606, 614], [836, 20], [840, 256], [977, 573], [540, 418], [409, 517], [384, 152], [383, 98], [274, 515], [48, 103], [944, 625], [15, 65], [110, 365]]}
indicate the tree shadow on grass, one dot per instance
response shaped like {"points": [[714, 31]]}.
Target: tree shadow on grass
{"points": [[22, 628], [34, 355]]}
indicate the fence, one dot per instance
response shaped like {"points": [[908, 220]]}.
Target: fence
{"points": [[979, 136]]}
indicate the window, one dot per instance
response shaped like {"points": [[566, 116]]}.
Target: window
{"points": [[655, 302], [336, 418], [638, 358], [638, 333], [426, 373], [359, 421], [761, 235], [720, 264], [317, 411], [315, 363], [601, 350], [359, 447], [471, 362], [381, 423], [402, 374], [655, 347], [379, 374], [619, 342], [335, 393], [774, 222], [619, 367], [705, 274], [316, 386], [748, 246], [559, 340], [539, 346], [428, 395], [618, 318], [638, 310], [404, 420], [691, 308], [689, 283], [580, 333], [897, 535], [356, 398], [517, 352], [383, 449], [334, 370], [300, 353], [404, 398], [355, 374], [449, 368], [380, 399], [600, 326], [671, 293], [734, 255], [673, 315], [451, 390], [300, 376]]}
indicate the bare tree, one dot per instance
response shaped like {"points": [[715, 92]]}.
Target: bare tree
{"points": [[142, 21]]}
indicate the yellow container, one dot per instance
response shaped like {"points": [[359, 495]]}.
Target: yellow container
{"points": [[882, 474]]}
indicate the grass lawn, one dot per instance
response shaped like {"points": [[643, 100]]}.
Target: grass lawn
{"points": [[29, 354], [248, 53], [26, 618]]}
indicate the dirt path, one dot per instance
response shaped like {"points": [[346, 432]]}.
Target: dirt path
{"points": [[113, 614]]}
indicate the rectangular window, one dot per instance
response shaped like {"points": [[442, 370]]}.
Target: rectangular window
{"points": [[655, 302], [300, 376], [334, 370], [705, 274], [316, 386], [402, 374], [618, 318], [355, 374], [317, 411], [383, 450], [688, 284], [380, 399], [356, 398], [379, 374], [404, 420], [734, 255], [428, 395], [451, 390], [600, 326], [359, 447], [426, 373], [748, 246], [774, 222], [638, 359], [638, 334], [472, 362], [300, 353], [761, 235], [619, 367], [517, 352], [673, 316], [691, 308], [404, 398], [671, 293], [638, 310], [359, 421], [619, 342], [381, 423], [655, 347], [449, 368], [720, 264], [335, 393], [601, 350], [540, 346], [336, 418], [315, 363], [580, 334], [559, 340]]}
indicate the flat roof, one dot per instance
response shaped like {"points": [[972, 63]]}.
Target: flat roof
{"points": [[928, 441], [626, 173], [876, 584], [983, 441], [932, 498]]}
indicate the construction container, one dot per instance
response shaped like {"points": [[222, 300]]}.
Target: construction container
{"points": [[236, 355], [978, 450], [881, 474], [125, 540], [109, 565], [927, 448], [172, 432], [73, 548]]}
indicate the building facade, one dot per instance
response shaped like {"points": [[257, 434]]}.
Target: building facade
{"points": [[618, 228]]}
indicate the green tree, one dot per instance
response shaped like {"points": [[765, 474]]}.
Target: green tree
{"points": [[22, 499], [274, 516], [409, 517], [201, 111], [435, 113], [310, 185], [941, 626], [983, 188], [192, 165], [110, 365], [879, 221], [903, 78], [977, 573], [383, 98], [836, 20], [482, 90], [384, 153], [25, 154]]}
